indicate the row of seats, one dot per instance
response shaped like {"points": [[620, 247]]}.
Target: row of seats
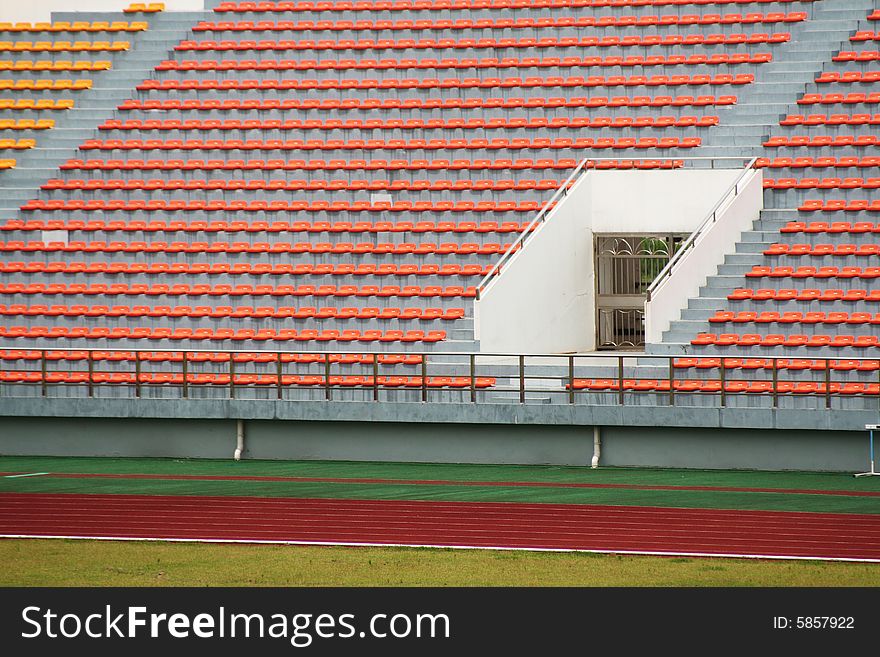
{"points": [[865, 35], [768, 317], [97, 356], [45, 85], [242, 268], [273, 227], [817, 162], [730, 387], [60, 65], [448, 83], [717, 59], [267, 334], [26, 124], [773, 340], [416, 124], [17, 144], [198, 290], [160, 205], [848, 77], [822, 141], [63, 46], [793, 364], [38, 104], [450, 248], [266, 312], [459, 5], [76, 26], [765, 271], [839, 99], [856, 56], [446, 25], [298, 185], [824, 183], [830, 227], [153, 378], [810, 294], [823, 250], [840, 205], [530, 43], [519, 164], [287, 104], [831, 119], [538, 143], [144, 8]]}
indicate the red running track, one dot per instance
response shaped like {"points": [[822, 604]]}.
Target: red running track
{"points": [[625, 529]]}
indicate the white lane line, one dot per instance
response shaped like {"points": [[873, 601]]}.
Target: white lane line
{"points": [[653, 553], [29, 474]]}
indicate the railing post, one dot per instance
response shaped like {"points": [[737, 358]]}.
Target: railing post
{"points": [[232, 376], [44, 385], [91, 364], [827, 383], [328, 393], [671, 381], [723, 376], [571, 379], [185, 370], [775, 383], [620, 399], [522, 379], [375, 377], [473, 365], [278, 374], [137, 374], [424, 377]]}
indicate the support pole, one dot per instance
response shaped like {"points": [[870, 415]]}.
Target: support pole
{"points": [[597, 447], [239, 440]]}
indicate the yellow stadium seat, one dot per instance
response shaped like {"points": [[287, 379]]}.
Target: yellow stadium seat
{"points": [[79, 46], [42, 27], [7, 164], [25, 124], [22, 144], [116, 26], [79, 85], [80, 26], [99, 26], [21, 27], [101, 65], [7, 124], [61, 45], [156, 6], [120, 45], [60, 26], [138, 26], [44, 124], [21, 46], [135, 7], [64, 104]]}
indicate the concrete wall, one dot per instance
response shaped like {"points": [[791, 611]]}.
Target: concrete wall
{"points": [[758, 449], [737, 215], [39, 11], [544, 300]]}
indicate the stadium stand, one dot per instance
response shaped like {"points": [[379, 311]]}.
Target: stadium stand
{"points": [[342, 176]]}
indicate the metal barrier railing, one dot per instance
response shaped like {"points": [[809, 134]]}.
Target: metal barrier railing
{"points": [[600, 378]]}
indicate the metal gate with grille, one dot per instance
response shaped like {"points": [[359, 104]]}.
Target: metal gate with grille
{"points": [[625, 267]]}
